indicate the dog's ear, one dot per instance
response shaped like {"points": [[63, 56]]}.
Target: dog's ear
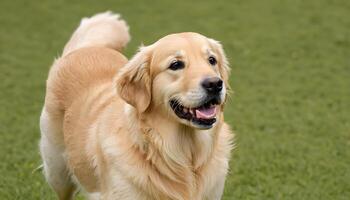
{"points": [[134, 82], [224, 67]]}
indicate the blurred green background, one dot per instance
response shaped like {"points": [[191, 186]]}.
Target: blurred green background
{"points": [[290, 75]]}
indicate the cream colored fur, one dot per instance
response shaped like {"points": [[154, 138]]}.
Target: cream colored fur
{"points": [[107, 127]]}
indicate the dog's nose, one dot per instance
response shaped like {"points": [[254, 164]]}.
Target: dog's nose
{"points": [[212, 85]]}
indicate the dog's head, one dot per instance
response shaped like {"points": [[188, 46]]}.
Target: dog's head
{"points": [[182, 76]]}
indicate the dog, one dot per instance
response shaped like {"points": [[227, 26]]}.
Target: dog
{"points": [[148, 128]]}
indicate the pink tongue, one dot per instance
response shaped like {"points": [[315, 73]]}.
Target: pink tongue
{"points": [[206, 113]]}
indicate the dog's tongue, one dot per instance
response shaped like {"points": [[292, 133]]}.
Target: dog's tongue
{"points": [[206, 113]]}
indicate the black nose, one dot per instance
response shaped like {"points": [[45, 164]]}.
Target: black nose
{"points": [[212, 85]]}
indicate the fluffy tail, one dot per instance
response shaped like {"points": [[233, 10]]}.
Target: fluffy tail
{"points": [[103, 29]]}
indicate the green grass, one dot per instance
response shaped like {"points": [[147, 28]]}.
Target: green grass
{"points": [[290, 75]]}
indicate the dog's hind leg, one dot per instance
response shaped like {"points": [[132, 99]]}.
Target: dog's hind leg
{"points": [[52, 153]]}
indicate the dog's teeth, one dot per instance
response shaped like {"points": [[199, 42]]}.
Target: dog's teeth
{"points": [[194, 112], [191, 111]]}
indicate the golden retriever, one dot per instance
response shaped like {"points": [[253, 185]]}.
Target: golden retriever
{"points": [[148, 128]]}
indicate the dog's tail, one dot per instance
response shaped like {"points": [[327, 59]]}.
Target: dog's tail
{"points": [[104, 29]]}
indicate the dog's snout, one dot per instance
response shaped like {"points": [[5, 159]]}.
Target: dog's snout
{"points": [[212, 85]]}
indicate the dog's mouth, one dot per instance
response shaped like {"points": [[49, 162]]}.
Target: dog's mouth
{"points": [[203, 115]]}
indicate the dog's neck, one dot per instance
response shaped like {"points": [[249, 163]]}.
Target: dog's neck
{"points": [[178, 151], [183, 144]]}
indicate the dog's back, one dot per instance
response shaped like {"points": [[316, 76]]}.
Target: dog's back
{"points": [[81, 77], [90, 56]]}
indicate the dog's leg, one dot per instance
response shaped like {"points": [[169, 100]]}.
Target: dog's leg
{"points": [[93, 196], [217, 191], [52, 153]]}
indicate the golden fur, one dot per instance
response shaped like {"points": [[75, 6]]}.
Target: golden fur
{"points": [[107, 126]]}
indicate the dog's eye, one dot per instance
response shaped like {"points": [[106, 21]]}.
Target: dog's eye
{"points": [[212, 60], [176, 65]]}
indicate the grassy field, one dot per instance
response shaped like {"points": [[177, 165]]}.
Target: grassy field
{"points": [[290, 75]]}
